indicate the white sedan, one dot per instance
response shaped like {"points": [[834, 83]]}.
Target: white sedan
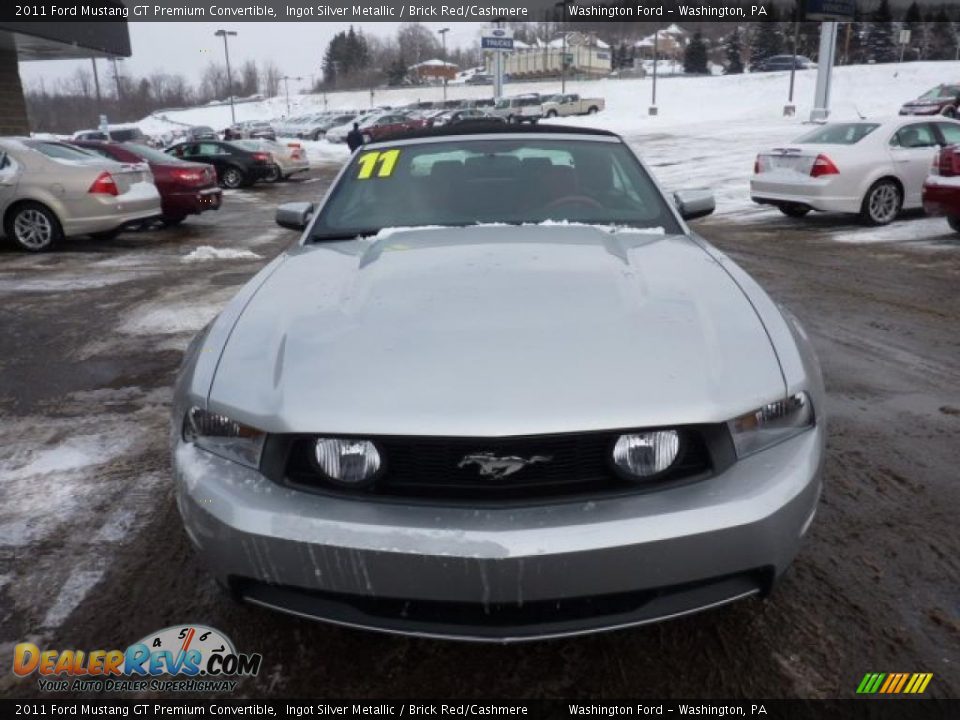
{"points": [[874, 168]]}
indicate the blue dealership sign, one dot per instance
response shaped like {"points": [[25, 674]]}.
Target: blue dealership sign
{"points": [[830, 9]]}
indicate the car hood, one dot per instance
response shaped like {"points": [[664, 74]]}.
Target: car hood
{"points": [[488, 331]]}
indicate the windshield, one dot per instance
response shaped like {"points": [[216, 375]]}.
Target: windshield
{"points": [[942, 92], [526, 102], [465, 182], [838, 134]]}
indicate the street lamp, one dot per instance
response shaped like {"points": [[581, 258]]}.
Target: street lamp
{"points": [[226, 52], [286, 88], [443, 36]]}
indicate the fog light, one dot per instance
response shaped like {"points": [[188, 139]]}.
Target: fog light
{"points": [[347, 461], [646, 454]]}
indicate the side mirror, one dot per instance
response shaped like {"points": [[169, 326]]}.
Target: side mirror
{"points": [[693, 204], [4, 161], [295, 215]]}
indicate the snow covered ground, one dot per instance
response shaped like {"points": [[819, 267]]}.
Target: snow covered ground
{"points": [[706, 133]]}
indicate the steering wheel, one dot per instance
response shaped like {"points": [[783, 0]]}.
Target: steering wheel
{"points": [[573, 200]]}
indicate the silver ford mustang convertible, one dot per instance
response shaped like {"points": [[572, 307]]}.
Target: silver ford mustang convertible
{"points": [[498, 391]]}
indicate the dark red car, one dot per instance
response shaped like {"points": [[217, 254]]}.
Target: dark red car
{"points": [[941, 191], [186, 188], [386, 124], [941, 100]]}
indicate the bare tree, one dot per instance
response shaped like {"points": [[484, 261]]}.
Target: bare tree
{"points": [[249, 78], [270, 79]]}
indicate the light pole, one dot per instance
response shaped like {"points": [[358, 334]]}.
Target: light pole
{"points": [[789, 110], [442, 32], [563, 53], [226, 53], [286, 88], [656, 62]]}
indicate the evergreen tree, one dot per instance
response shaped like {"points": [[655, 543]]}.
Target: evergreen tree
{"points": [[880, 43], [695, 56], [766, 38], [734, 52], [913, 21], [943, 39]]}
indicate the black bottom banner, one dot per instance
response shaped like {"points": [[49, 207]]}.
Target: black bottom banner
{"points": [[892, 709]]}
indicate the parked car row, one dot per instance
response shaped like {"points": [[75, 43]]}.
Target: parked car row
{"points": [[872, 168], [51, 189]]}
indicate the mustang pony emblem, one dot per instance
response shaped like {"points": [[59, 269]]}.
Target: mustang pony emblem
{"points": [[496, 467]]}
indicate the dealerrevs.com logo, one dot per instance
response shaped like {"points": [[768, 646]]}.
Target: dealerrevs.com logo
{"points": [[184, 658]]}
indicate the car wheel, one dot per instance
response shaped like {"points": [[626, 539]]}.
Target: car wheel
{"points": [[882, 203], [275, 174], [172, 220], [33, 227], [551, 113], [231, 178], [794, 210], [949, 111], [593, 110], [318, 134], [954, 222]]}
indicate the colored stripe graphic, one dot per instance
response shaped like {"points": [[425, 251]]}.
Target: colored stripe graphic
{"points": [[894, 683]]}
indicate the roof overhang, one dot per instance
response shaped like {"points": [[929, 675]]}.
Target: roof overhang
{"points": [[65, 40]]}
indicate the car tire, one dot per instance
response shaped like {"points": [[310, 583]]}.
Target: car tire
{"points": [[954, 222], [949, 111], [232, 178], [551, 113], [33, 227], [317, 135], [593, 110], [882, 203], [794, 210], [275, 174]]}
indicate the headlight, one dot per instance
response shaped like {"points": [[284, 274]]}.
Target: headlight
{"points": [[771, 424], [222, 436], [646, 454], [347, 461]]}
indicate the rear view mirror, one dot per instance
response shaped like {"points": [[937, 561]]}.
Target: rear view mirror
{"points": [[295, 215], [694, 203]]}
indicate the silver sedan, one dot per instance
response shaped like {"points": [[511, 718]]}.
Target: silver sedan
{"points": [[50, 190], [498, 391]]}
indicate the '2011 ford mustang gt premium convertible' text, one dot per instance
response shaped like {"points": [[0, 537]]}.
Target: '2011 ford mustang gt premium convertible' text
{"points": [[499, 390]]}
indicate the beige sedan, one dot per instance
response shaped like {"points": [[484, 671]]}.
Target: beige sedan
{"points": [[288, 158], [50, 190]]}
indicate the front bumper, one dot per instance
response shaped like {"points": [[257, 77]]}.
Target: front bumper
{"points": [[502, 573]]}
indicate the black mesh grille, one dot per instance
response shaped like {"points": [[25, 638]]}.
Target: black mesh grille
{"points": [[450, 468]]}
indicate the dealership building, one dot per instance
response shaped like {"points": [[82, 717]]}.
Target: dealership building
{"points": [[26, 41]]}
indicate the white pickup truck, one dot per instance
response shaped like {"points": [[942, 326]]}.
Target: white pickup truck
{"points": [[570, 104]]}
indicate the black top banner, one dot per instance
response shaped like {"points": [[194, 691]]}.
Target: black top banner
{"points": [[667, 11], [491, 709]]}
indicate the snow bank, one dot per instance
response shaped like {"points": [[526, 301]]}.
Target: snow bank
{"points": [[208, 252]]}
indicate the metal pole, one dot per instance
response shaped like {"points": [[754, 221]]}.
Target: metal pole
{"points": [[116, 76], [828, 52], [226, 53], [656, 61], [443, 36], [563, 58], [286, 91], [793, 68], [96, 82]]}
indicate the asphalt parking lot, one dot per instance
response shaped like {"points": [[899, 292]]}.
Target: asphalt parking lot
{"points": [[93, 555]]}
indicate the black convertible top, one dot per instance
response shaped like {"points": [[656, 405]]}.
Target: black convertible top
{"points": [[489, 127]]}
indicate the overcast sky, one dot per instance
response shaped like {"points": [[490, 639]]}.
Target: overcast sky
{"points": [[186, 47]]}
